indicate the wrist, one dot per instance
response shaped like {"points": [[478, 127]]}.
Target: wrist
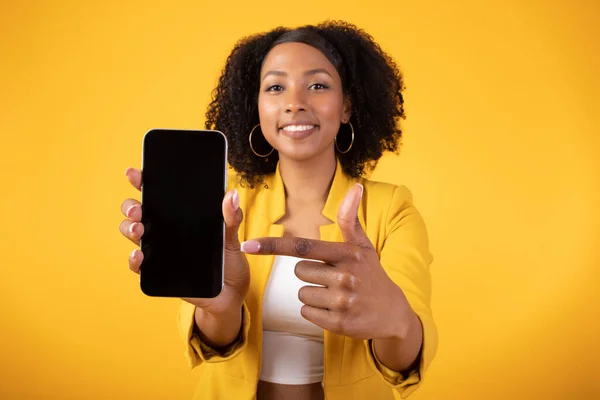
{"points": [[400, 351], [228, 314], [405, 320], [218, 330], [406, 326]]}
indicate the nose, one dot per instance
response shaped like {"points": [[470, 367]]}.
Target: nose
{"points": [[295, 101]]}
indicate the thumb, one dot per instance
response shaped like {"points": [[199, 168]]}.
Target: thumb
{"points": [[232, 215], [348, 217]]}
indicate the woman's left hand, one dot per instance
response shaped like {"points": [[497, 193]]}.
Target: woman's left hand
{"points": [[357, 298]]}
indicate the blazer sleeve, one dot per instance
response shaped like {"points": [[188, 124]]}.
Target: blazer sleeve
{"points": [[406, 258], [196, 351]]}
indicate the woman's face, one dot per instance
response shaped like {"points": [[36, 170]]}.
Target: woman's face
{"points": [[301, 102]]}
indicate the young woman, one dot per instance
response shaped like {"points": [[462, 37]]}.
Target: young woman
{"points": [[328, 293]]}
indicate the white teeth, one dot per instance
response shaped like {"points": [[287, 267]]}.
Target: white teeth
{"points": [[298, 128]]}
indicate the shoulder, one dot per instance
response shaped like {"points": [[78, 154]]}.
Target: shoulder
{"points": [[400, 224], [392, 207], [386, 195]]}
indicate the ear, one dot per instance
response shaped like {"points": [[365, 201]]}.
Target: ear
{"points": [[346, 110]]}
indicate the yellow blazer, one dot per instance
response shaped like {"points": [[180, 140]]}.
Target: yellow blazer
{"points": [[351, 371]]}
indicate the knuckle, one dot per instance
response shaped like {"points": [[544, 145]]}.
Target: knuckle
{"points": [[231, 248], [232, 241], [351, 301], [346, 280], [231, 223], [269, 246], [302, 247], [344, 218], [357, 255], [353, 253], [342, 302]]}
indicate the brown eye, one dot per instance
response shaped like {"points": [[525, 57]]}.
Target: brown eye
{"points": [[318, 86]]}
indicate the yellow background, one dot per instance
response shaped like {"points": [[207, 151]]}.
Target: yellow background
{"points": [[501, 152]]}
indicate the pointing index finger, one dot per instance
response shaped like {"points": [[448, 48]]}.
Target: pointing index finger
{"points": [[300, 247]]}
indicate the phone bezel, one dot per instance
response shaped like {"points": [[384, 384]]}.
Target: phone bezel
{"points": [[225, 181]]}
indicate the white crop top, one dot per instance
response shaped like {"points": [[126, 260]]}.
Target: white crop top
{"points": [[292, 348]]}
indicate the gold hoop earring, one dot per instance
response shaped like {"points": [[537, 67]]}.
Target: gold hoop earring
{"points": [[351, 141], [252, 148]]}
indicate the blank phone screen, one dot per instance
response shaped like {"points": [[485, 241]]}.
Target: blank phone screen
{"points": [[184, 179]]}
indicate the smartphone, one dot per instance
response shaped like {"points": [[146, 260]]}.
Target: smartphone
{"points": [[184, 179]]}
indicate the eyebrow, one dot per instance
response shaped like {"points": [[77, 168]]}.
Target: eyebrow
{"points": [[307, 73]]}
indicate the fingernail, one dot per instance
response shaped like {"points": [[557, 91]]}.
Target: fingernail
{"points": [[128, 212], [251, 246], [132, 255], [235, 200], [131, 228], [127, 171], [361, 189]]}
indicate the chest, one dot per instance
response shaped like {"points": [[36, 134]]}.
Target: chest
{"points": [[306, 222], [303, 220]]}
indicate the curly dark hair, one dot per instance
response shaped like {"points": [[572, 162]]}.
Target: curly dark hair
{"points": [[369, 77]]}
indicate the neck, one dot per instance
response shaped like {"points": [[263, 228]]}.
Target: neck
{"points": [[310, 180]]}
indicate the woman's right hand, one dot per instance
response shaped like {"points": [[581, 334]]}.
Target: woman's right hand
{"points": [[237, 271]]}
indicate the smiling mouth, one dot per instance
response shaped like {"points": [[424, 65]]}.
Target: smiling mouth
{"points": [[298, 128], [298, 132]]}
